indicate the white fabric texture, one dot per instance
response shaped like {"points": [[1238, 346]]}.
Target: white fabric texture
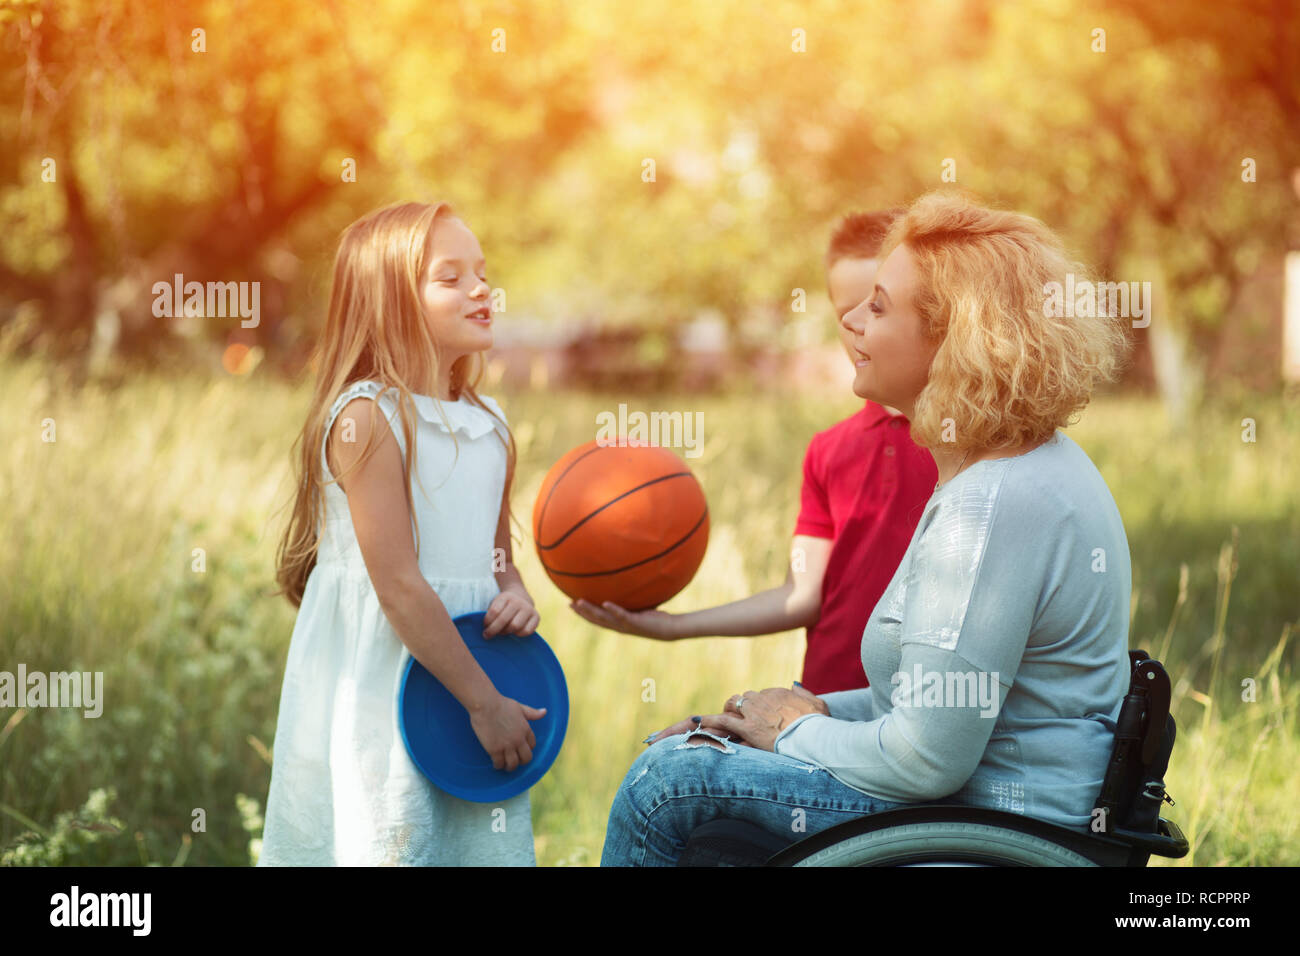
{"points": [[344, 791]]}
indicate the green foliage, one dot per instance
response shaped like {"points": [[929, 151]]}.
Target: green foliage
{"points": [[84, 838], [250, 816], [763, 129], [99, 576]]}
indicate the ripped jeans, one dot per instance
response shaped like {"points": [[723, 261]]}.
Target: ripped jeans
{"points": [[681, 782]]}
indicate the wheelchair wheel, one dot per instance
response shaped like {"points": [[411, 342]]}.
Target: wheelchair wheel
{"points": [[944, 843]]}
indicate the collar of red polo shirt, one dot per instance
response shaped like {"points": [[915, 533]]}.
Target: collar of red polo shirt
{"points": [[873, 414]]}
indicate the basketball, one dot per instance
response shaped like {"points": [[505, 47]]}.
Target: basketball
{"points": [[622, 523]]}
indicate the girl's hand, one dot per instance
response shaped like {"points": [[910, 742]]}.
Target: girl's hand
{"points": [[502, 728], [511, 612], [764, 715], [659, 625]]}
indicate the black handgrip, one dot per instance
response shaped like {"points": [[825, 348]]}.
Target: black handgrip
{"points": [[1152, 676]]}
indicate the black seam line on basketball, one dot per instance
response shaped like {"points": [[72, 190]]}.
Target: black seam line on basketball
{"points": [[560, 540], [541, 520], [654, 557]]}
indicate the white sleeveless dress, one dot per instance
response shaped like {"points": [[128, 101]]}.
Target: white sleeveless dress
{"points": [[344, 791]]}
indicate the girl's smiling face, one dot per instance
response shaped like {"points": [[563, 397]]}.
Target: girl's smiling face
{"points": [[454, 291], [892, 355]]}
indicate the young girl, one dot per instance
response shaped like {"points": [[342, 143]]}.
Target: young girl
{"points": [[408, 323]]}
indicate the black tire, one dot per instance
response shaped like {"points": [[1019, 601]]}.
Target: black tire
{"points": [[945, 842]]}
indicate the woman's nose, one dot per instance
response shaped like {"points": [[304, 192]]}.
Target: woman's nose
{"points": [[852, 320]]}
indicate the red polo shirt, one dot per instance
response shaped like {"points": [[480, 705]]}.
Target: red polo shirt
{"points": [[865, 484]]}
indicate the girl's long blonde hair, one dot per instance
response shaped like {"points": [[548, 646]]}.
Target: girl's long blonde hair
{"points": [[376, 329]]}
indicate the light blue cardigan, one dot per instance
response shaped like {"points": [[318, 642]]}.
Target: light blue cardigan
{"points": [[997, 657]]}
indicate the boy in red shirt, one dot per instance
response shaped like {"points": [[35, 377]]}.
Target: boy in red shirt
{"points": [[865, 484]]}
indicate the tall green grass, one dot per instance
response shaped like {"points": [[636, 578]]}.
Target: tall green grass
{"points": [[101, 526]]}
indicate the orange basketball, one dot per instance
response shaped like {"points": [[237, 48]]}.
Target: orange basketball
{"points": [[627, 524]]}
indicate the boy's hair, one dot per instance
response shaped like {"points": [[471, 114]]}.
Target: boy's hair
{"points": [[1007, 372], [375, 329], [860, 234]]}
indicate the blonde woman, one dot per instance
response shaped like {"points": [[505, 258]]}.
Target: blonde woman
{"points": [[997, 656]]}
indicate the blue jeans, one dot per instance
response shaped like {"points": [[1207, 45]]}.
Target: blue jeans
{"points": [[675, 786]]}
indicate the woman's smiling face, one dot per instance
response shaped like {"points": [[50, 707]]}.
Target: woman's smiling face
{"points": [[892, 354]]}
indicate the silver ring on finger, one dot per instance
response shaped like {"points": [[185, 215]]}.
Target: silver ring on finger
{"points": [[740, 702]]}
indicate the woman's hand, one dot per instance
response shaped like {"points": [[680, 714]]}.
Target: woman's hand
{"points": [[684, 726], [656, 624], [511, 612], [763, 715]]}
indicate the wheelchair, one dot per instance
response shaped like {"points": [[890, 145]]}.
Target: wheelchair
{"points": [[1129, 828]]}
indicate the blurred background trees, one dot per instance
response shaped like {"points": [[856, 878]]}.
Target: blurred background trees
{"points": [[635, 165], [650, 183]]}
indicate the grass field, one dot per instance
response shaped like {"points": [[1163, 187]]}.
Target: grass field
{"points": [[100, 528]]}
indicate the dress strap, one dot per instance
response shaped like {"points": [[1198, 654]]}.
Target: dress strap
{"points": [[365, 388]]}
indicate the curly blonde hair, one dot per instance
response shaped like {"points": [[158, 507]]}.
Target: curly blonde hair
{"points": [[1006, 372]]}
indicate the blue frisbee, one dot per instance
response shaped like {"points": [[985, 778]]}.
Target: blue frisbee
{"points": [[437, 731]]}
